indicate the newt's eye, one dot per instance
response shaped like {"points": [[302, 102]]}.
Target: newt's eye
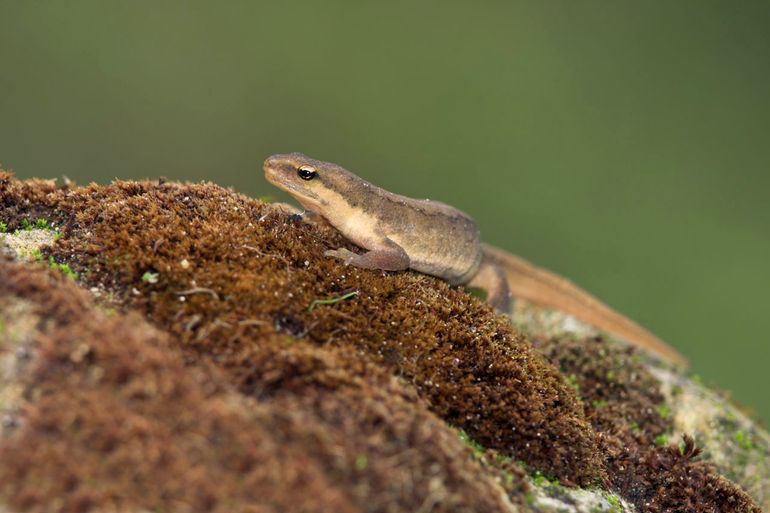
{"points": [[306, 172]]}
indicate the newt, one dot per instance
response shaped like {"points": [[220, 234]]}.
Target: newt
{"points": [[433, 238]]}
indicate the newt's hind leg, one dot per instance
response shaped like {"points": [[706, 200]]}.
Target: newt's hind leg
{"points": [[389, 256], [491, 278]]}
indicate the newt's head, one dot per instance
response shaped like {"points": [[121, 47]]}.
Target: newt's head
{"points": [[314, 183]]}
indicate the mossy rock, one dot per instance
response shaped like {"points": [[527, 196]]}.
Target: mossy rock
{"points": [[164, 348]]}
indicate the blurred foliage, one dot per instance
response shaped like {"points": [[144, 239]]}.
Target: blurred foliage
{"points": [[623, 144]]}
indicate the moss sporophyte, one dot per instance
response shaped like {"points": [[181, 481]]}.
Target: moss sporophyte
{"points": [[331, 301]]}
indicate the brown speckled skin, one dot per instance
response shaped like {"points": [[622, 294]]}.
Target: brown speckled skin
{"points": [[437, 239]]}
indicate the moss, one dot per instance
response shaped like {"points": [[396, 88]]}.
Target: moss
{"points": [[624, 403], [62, 268], [540, 480], [743, 440], [157, 428], [362, 461], [683, 484], [377, 380], [615, 504], [477, 448], [512, 475], [266, 273], [119, 421], [35, 255], [150, 277], [573, 382]]}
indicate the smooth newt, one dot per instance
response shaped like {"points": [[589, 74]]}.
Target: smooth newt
{"points": [[437, 239]]}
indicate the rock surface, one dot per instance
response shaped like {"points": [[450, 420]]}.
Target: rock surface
{"points": [[185, 348]]}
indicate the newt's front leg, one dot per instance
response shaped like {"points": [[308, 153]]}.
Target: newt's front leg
{"points": [[387, 256]]}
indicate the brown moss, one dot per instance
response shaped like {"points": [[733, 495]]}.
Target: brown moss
{"points": [[670, 480], [250, 272], [116, 420], [352, 398], [624, 404], [620, 396]]}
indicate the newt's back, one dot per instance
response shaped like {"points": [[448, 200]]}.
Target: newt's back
{"points": [[440, 240]]}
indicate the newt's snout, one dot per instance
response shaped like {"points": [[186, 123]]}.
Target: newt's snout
{"points": [[274, 168], [270, 164]]}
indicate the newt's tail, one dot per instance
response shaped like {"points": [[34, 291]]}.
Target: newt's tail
{"points": [[544, 288]]}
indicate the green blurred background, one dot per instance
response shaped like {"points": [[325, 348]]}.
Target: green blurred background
{"points": [[624, 145]]}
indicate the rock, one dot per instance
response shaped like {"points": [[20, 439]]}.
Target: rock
{"points": [[160, 352]]}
